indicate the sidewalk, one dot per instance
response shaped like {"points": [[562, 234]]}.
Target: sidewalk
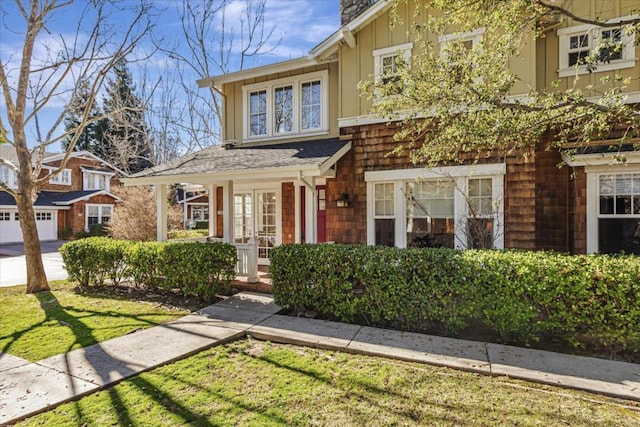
{"points": [[29, 388]]}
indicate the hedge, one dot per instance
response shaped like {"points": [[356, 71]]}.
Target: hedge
{"points": [[589, 301], [193, 268]]}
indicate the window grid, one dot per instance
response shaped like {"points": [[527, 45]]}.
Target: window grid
{"points": [[5, 216], [619, 195]]}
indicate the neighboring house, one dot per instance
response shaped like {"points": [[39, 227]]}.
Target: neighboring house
{"points": [[304, 161], [194, 201], [80, 196]]}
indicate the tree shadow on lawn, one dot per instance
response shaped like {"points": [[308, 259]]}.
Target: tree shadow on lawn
{"points": [[72, 317]]}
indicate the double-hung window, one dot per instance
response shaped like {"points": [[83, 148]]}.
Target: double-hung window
{"points": [[387, 62], [619, 213], [8, 176], [98, 214], [384, 213], [587, 48], [63, 178], [285, 107]]}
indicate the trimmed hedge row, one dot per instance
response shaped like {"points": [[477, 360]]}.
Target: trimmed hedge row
{"points": [[198, 269], [590, 301]]}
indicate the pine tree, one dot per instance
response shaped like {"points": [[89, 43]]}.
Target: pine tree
{"points": [[125, 142], [89, 137]]}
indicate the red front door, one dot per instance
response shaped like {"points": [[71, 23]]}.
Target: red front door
{"points": [[321, 191]]}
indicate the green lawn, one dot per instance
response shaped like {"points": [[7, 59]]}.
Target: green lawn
{"points": [[37, 326], [254, 383]]}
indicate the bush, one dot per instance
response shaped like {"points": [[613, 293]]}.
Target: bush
{"points": [[187, 234], [198, 269], [589, 301]]}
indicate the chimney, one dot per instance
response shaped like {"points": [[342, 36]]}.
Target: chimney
{"points": [[349, 9]]}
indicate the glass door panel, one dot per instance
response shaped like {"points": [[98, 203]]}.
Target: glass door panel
{"points": [[266, 228]]}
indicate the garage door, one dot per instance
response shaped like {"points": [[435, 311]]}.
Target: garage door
{"points": [[10, 231]]}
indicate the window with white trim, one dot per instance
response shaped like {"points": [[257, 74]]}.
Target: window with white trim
{"points": [[43, 216], [8, 176], [384, 213], [619, 213], [5, 216], [97, 214], [199, 213], [386, 62], [614, 49], [63, 178], [96, 181], [454, 206], [285, 107], [459, 44]]}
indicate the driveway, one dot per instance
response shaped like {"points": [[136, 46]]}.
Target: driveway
{"points": [[13, 266]]}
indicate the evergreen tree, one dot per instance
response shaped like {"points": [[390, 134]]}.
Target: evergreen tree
{"points": [[125, 142], [89, 134]]}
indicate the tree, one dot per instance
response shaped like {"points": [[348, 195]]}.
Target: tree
{"points": [[457, 97], [124, 139], [209, 45], [90, 134], [32, 80]]}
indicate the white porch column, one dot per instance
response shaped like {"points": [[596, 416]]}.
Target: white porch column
{"points": [[227, 211], [213, 209], [161, 209], [297, 212], [311, 208]]}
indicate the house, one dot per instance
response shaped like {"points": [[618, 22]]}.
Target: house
{"points": [[194, 201], [303, 160], [77, 198]]}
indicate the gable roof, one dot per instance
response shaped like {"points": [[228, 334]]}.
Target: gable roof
{"points": [[311, 158]]}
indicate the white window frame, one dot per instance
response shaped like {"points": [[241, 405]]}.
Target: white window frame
{"points": [[403, 50], [296, 82], [100, 216], [199, 206], [88, 175], [593, 198], [593, 32], [475, 36], [461, 175], [8, 176], [63, 178]]}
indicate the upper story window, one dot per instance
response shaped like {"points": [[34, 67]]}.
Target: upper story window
{"points": [[466, 40], [387, 60], [611, 49], [285, 107], [63, 178], [8, 176], [96, 181]]}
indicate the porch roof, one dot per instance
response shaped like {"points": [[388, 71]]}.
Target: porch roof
{"points": [[247, 162]]}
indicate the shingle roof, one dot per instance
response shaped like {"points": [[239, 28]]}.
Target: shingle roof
{"points": [[246, 158], [51, 198]]}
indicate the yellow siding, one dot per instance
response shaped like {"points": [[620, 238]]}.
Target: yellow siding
{"points": [[233, 119]]}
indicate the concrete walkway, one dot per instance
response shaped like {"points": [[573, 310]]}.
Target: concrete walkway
{"points": [[29, 388]]}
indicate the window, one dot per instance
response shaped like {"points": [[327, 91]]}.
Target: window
{"points": [[457, 47], [63, 178], [98, 214], [384, 213], [619, 213], [43, 216], [199, 213], [430, 213], [387, 62], [480, 213], [8, 176], [17, 216], [242, 218], [452, 206], [5, 216], [97, 181], [283, 107], [614, 49]]}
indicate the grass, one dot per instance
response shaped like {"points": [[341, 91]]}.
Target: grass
{"points": [[36, 326], [254, 383]]}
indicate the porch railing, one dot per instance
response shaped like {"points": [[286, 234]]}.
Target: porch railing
{"points": [[247, 265]]}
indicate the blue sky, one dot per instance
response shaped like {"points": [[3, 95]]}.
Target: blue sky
{"points": [[299, 25]]}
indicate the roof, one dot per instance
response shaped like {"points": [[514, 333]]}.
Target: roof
{"points": [[55, 198], [313, 157]]}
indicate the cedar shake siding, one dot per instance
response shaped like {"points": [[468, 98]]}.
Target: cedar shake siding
{"points": [[543, 207]]}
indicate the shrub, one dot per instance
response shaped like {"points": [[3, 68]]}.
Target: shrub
{"points": [[198, 269], [187, 234], [588, 301], [65, 233]]}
